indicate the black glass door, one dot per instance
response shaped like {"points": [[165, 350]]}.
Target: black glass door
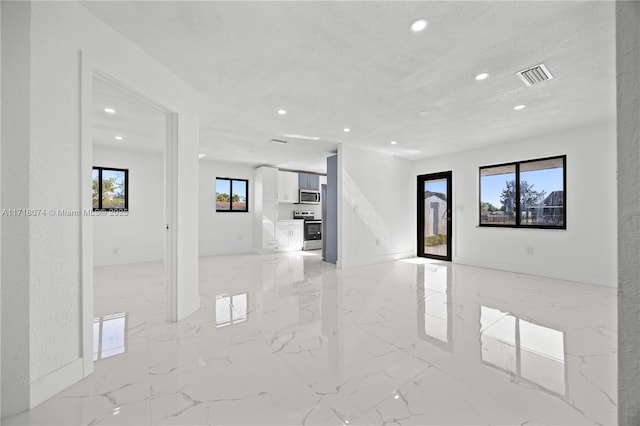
{"points": [[434, 216]]}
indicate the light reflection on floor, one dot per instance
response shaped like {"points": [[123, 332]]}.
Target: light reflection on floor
{"points": [[109, 335], [288, 339]]}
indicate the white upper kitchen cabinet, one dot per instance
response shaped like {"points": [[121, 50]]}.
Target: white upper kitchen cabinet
{"points": [[287, 187], [267, 178]]}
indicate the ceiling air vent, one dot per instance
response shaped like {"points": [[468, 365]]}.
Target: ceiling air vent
{"points": [[535, 75]]}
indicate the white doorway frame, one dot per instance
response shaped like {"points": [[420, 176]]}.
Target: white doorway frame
{"points": [[89, 71]]}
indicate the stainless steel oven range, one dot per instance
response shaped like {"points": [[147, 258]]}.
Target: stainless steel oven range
{"points": [[312, 229]]}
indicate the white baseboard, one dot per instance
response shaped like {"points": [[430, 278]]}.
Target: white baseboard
{"points": [[374, 260], [570, 275], [188, 308], [50, 384], [266, 251]]}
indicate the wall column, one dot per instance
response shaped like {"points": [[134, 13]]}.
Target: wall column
{"points": [[628, 118], [16, 136]]}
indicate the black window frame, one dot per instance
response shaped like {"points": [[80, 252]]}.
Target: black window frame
{"points": [[231, 210], [126, 189], [518, 213]]}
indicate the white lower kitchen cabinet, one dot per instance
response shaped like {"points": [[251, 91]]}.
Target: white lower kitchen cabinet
{"points": [[290, 235], [270, 225]]}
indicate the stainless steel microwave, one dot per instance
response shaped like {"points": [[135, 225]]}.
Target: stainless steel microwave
{"points": [[308, 196]]}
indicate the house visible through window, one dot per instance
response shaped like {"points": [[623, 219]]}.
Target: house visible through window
{"points": [[527, 194], [231, 195], [110, 189]]}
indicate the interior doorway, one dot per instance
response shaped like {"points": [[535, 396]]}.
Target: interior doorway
{"points": [[128, 204], [147, 129], [434, 216]]}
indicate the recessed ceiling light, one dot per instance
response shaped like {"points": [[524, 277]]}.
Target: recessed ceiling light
{"points": [[282, 112], [419, 25], [346, 130], [110, 110], [519, 107], [202, 155], [393, 142], [482, 76], [118, 138]]}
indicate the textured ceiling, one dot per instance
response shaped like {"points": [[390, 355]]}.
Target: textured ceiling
{"points": [[141, 126], [333, 65]]}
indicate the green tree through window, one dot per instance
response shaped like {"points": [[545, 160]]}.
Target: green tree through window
{"points": [[110, 189], [231, 195], [524, 194]]}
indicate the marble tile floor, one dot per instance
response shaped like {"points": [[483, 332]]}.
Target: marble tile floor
{"points": [[287, 339]]}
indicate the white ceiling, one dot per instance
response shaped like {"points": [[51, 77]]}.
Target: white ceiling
{"points": [[356, 64], [141, 126]]}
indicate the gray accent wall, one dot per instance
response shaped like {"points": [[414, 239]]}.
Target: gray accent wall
{"points": [[331, 220], [628, 117]]}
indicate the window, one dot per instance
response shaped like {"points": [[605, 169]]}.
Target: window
{"points": [[110, 189], [525, 194], [231, 195]]}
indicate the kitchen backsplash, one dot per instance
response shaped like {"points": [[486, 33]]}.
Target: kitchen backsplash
{"points": [[285, 210]]}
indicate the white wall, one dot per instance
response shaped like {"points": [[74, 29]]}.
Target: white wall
{"points": [[375, 207], [0, 209], [63, 35], [139, 236], [16, 122], [224, 233], [585, 251]]}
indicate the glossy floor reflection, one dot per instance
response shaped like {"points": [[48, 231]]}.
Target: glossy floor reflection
{"points": [[288, 339]]}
